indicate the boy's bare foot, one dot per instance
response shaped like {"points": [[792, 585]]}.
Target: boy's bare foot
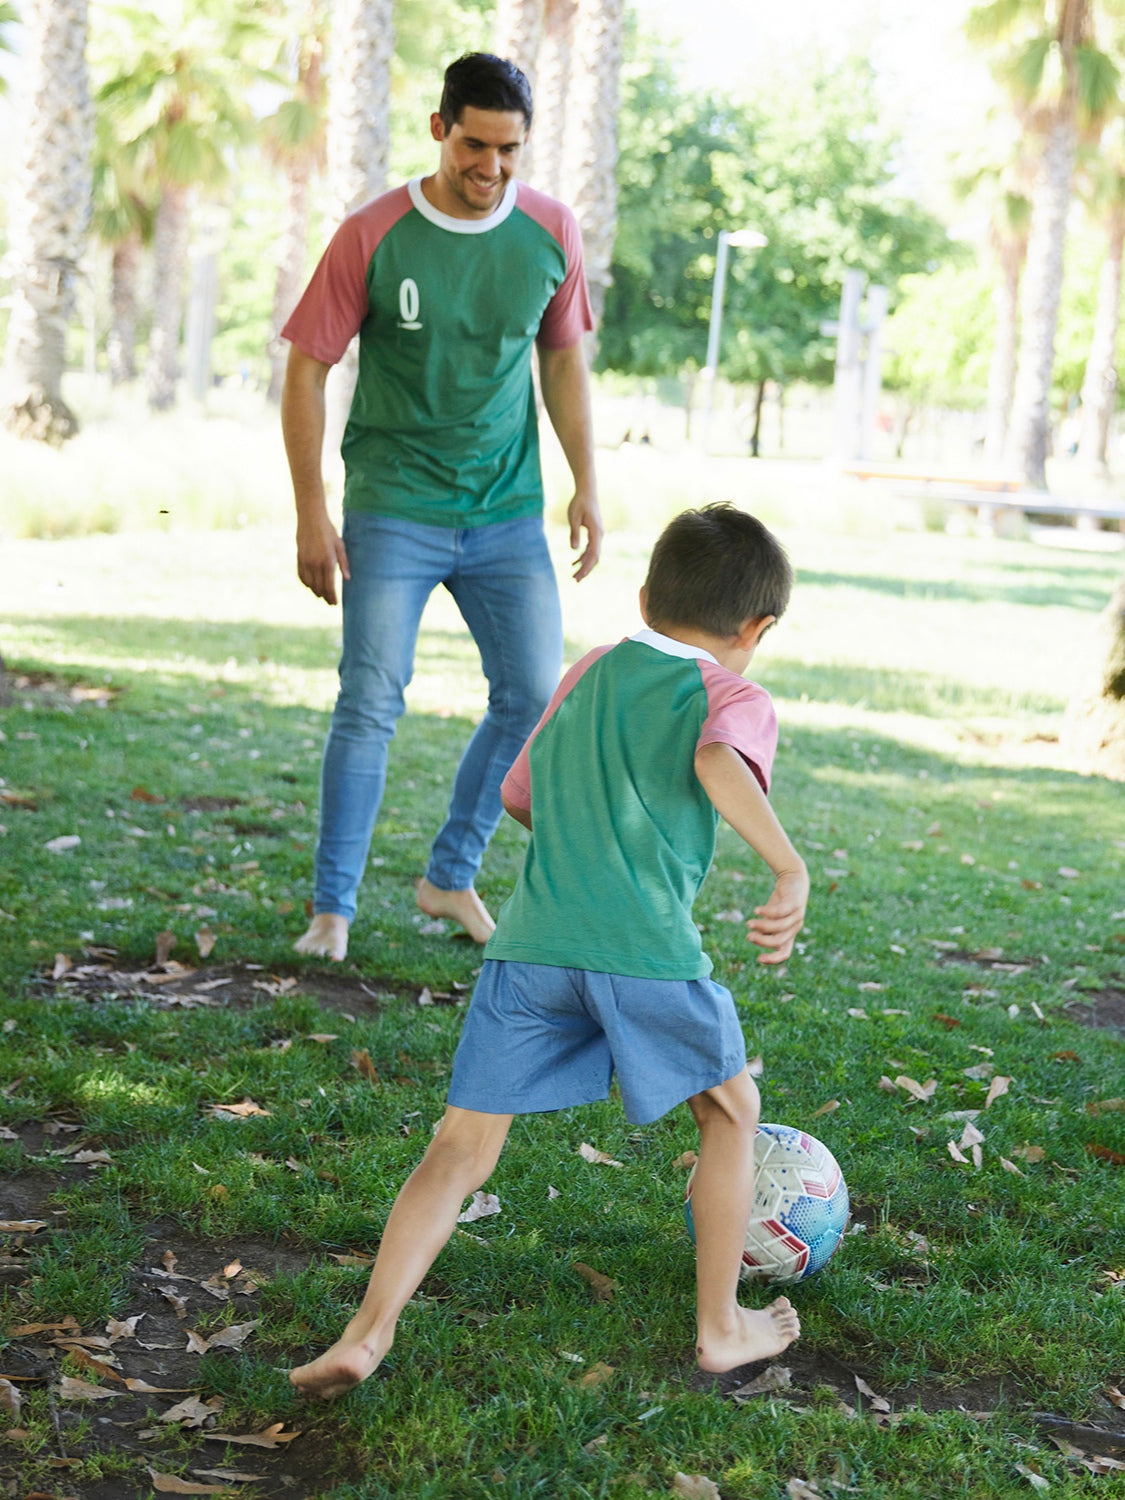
{"points": [[338, 1369], [759, 1334], [327, 937], [464, 907]]}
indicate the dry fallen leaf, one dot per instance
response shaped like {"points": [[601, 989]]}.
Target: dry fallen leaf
{"points": [[240, 1111], [879, 1403], [62, 964], [596, 1375], [10, 1401], [956, 1152], [323, 1037], [22, 1226], [1105, 1106], [774, 1378], [1030, 1153], [70, 1388], [1103, 1153], [196, 1343], [591, 1153], [361, 1061], [686, 1161], [171, 1484], [193, 1412], [1116, 1397], [695, 1487], [602, 1287], [826, 1109], [482, 1206], [352, 1260], [165, 942], [802, 1489], [999, 1085], [920, 1091], [233, 1336], [205, 941], [1010, 1166], [236, 1475], [1035, 1479], [269, 1437], [124, 1328]]}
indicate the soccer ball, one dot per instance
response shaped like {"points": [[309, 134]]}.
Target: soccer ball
{"points": [[800, 1208]]}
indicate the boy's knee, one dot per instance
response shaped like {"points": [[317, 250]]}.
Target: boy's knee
{"points": [[736, 1102], [465, 1152]]}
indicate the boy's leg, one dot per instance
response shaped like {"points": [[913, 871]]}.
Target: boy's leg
{"points": [[459, 1159], [728, 1334]]}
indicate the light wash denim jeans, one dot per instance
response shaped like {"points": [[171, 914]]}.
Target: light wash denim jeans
{"points": [[504, 584]]}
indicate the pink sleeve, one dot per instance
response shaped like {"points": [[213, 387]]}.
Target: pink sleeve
{"points": [[516, 786], [739, 714], [568, 314], [335, 302]]}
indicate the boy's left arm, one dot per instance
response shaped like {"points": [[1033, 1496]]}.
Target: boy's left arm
{"points": [[738, 798]]}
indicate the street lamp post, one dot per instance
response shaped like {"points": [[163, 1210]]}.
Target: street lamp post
{"points": [[741, 239]]}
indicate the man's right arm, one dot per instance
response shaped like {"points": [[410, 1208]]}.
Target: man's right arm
{"points": [[320, 548]]}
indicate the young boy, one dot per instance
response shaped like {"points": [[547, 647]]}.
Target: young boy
{"points": [[596, 965]]}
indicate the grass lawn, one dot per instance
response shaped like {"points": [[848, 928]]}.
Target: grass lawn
{"points": [[202, 1129]]}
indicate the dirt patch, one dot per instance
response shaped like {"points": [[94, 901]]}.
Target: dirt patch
{"points": [[232, 986], [210, 804], [1103, 1009], [184, 1292], [994, 960]]}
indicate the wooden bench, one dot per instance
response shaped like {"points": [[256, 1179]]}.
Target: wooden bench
{"points": [[988, 494]]}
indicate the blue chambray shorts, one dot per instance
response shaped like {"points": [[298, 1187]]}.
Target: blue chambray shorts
{"points": [[539, 1038]]}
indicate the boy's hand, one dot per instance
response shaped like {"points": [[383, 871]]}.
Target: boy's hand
{"points": [[777, 924]]}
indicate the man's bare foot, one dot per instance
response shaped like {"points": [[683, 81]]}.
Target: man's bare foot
{"points": [[338, 1369], [759, 1334], [327, 937], [465, 907]]}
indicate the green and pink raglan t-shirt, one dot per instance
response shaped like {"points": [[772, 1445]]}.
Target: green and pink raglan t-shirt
{"points": [[622, 831], [443, 426]]}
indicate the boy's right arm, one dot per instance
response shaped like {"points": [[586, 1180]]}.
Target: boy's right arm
{"points": [[740, 801]]}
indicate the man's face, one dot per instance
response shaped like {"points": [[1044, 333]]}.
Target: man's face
{"points": [[478, 155]]}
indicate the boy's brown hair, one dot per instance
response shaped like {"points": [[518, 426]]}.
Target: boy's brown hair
{"points": [[713, 569]]}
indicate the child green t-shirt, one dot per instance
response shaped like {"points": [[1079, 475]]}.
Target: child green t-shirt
{"points": [[622, 831]]}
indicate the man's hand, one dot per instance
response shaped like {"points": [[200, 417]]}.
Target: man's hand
{"points": [[320, 551], [777, 924], [584, 516]]}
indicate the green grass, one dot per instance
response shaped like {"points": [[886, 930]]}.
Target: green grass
{"points": [[919, 678]]}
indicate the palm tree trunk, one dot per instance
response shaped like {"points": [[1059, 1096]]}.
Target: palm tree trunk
{"points": [[121, 342], [50, 217], [1093, 735], [591, 156], [1002, 366], [517, 29], [170, 244], [290, 265], [1099, 386], [360, 48], [1029, 436], [552, 85]]}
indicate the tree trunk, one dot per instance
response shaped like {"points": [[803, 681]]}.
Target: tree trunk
{"points": [[756, 432], [1099, 387], [50, 217], [516, 33], [1093, 736], [552, 85], [591, 149], [290, 266], [121, 343], [169, 247], [1029, 436], [1005, 343], [360, 49]]}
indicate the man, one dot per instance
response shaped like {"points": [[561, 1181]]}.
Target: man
{"points": [[448, 281]]}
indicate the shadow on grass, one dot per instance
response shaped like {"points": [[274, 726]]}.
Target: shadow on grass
{"points": [[1018, 583], [179, 649]]}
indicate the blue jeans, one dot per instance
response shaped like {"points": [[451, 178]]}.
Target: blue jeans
{"points": [[504, 584]]}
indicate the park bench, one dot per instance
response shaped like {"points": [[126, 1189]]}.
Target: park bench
{"points": [[988, 494]]}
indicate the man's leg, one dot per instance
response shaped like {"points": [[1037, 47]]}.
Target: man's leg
{"points": [[505, 588], [459, 1159], [394, 567], [728, 1334]]}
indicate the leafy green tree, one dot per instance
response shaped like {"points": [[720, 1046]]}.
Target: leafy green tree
{"points": [[818, 181], [1046, 56], [123, 219], [175, 92], [8, 17]]}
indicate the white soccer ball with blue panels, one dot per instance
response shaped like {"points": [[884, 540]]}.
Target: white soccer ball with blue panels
{"points": [[800, 1208]]}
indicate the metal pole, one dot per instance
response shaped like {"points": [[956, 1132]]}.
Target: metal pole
{"points": [[715, 328]]}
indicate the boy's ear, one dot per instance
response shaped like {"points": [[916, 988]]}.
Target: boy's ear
{"points": [[754, 629], [642, 599]]}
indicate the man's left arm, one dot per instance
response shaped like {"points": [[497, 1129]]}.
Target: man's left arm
{"points": [[565, 384]]}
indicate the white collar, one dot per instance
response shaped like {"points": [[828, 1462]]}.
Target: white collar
{"points": [[462, 226], [672, 647]]}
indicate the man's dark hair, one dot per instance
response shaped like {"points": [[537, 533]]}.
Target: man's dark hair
{"points": [[483, 81], [715, 568]]}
